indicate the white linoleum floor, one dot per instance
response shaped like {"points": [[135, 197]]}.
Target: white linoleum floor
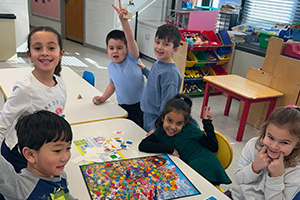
{"points": [[84, 58]]}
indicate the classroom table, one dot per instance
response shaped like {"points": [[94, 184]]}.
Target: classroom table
{"points": [[108, 128], [243, 89], [79, 106]]}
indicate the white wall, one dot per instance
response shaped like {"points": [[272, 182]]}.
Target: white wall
{"points": [[100, 18], [243, 60], [20, 9], [42, 21]]}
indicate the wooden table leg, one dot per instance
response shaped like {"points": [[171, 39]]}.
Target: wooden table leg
{"points": [[228, 104], [271, 107], [243, 121], [205, 98]]}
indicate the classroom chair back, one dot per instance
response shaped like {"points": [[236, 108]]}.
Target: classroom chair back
{"points": [[89, 77], [224, 153]]}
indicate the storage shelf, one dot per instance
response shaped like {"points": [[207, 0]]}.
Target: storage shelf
{"points": [[221, 66]]}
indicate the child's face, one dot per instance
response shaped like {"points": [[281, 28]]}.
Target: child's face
{"points": [[44, 52], [279, 140], [116, 50], [164, 50], [51, 159], [173, 123]]}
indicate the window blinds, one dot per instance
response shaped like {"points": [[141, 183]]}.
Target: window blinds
{"points": [[266, 13]]}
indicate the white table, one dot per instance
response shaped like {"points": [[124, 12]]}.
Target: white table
{"points": [[136, 134], [77, 110]]}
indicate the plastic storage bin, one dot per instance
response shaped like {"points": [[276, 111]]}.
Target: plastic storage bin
{"points": [[193, 74], [296, 34], [201, 57], [219, 70], [292, 50], [214, 42], [193, 89], [191, 59], [209, 39], [264, 39], [208, 71], [223, 50], [212, 57]]}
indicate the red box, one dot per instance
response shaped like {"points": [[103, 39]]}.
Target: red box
{"points": [[212, 41], [219, 70]]}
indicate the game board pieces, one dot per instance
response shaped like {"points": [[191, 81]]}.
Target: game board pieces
{"points": [[99, 148], [153, 177]]}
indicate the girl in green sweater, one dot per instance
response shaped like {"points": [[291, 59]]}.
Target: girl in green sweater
{"points": [[175, 134]]}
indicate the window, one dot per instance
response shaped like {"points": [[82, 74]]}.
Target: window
{"points": [[266, 13]]}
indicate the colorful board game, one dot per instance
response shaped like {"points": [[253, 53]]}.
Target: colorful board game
{"points": [[153, 177]]}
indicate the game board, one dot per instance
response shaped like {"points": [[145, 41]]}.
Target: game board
{"points": [[153, 177]]}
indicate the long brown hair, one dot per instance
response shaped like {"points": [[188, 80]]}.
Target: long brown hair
{"points": [[284, 117]]}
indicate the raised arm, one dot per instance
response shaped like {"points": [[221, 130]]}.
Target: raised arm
{"points": [[131, 43], [209, 140]]}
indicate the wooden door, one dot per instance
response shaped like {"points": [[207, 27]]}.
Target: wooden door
{"points": [[74, 20]]}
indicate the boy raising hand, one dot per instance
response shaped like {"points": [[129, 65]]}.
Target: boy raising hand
{"points": [[126, 77]]}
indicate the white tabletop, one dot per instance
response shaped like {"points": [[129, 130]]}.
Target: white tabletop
{"points": [[77, 110], [134, 133]]}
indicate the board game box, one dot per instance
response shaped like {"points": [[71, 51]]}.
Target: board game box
{"points": [[145, 178]]}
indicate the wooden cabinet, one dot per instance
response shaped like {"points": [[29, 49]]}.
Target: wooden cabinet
{"points": [[198, 63]]}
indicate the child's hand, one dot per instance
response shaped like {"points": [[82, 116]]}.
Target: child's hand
{"points": [[150, 132], [141, 65], [97, 100], [121, 11], [175, 153], [206, 113], [276, 166], [261, 161]]}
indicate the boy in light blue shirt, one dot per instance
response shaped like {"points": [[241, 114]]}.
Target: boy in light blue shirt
{"points": [[126, 77]]}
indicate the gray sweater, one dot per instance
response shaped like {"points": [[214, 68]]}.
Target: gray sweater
{"points": [[27, 185], [261, 186]]}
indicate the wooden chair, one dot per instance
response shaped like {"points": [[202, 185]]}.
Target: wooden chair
{"points": [[89, 77]]}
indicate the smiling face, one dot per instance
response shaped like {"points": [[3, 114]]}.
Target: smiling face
{"points": [[164, 50], [173, 123], [116, 50], [44, 51], [51, 159], [278, 140]]}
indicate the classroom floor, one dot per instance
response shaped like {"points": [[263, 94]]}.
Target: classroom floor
{"points": [[81, 58]]}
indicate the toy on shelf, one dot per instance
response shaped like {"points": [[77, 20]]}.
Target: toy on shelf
{"points": [[292, 50], [192, 88], [196, 38], [200, 40], [193, 73]]}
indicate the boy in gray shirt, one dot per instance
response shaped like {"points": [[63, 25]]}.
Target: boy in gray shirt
{"points": [[44, 139]]}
